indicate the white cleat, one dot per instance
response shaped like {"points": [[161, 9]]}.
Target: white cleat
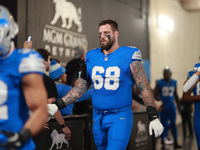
{"points": [[168, 141]]}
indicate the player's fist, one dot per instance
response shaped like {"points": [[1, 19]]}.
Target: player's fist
{"points": [[156, 127]]}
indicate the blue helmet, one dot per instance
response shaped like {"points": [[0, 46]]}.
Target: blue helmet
{"points": [[8, 30]]}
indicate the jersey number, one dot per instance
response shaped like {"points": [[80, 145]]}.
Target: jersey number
{"points": [[3, 98], [111, 81], [168, 91]]}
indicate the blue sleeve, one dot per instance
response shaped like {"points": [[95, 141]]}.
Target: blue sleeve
{"points": [[31, 62], [67, 110], [63, 90], [137, 54], [86, 96]]}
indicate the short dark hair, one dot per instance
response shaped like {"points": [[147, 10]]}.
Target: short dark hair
{"points": [[44, 53], [111, 22]]}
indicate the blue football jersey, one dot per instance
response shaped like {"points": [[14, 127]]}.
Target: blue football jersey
{"points": [[111, 77], [196, 91], [166, 91], [13, 109]]}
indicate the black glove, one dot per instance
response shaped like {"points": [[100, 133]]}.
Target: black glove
{"points": [[152, 113], [15, 139]]}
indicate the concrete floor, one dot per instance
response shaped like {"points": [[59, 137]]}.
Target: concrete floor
{"points": [[188, 143]]}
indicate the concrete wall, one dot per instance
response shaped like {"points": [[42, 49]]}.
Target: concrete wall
{"points": [[35, 19], [179, 49]]}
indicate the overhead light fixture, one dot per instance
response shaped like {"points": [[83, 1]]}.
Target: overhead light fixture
{"points": [[165, 23]]}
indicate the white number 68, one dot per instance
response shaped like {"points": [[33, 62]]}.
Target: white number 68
{"points": [[111, 81]]}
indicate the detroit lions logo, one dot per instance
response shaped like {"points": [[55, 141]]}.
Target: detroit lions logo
{"points": [[141, 128], [58, 139], [67, 10]]}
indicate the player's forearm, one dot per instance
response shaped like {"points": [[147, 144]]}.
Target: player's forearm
{"points": [[37, 120], [148, 98], [140, 77], [75, 93], [39, 111], [177, 101], [59, 118], [36, 100], [190, 98], [57, 115], [190, 83]]}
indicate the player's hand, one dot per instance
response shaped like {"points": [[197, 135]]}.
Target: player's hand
{"points": [[159, 105], [52, 109], [156, 127], [46, 126], [28, 44], [14, 139], [67, 132]]}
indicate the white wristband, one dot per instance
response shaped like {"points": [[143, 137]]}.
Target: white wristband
{"points": [[52, 109], [190, 82]]}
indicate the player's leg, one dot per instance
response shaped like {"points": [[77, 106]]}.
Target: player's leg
{"points": [[120, 130], [172, 118], [184, 120], [164, 121], [190, 127], [197, 128], [99, 134]]}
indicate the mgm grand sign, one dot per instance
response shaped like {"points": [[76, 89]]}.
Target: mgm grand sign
{"points": [[60, 41]]}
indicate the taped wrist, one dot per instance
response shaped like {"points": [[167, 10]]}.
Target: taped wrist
{"points": [[24, 134], [152, 113], [59, 103], [63, 125]]}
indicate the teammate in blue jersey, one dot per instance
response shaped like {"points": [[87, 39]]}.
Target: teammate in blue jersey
{"points": [[57, 73], [112, 70], [195, 89], [21, 89], [166, 91]]}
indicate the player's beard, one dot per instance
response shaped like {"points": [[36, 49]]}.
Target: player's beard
{"points": [[106, 46]]}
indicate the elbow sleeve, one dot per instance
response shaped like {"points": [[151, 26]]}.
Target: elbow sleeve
{"points": [[190, 83]]}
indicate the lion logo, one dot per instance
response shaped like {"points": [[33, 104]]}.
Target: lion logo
{"points": [[58, 138], [141, 128], [67, 10]]}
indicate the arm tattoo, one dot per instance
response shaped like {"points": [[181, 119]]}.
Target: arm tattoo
{"points": [[76, 92], [140, 77]]}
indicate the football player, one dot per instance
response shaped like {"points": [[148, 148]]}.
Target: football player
{"points": [[195, 89], [111, 70], [21, 89], [166, 91]]}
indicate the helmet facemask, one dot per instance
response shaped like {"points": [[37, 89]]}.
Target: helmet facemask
{"points": [[8, 30]]}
